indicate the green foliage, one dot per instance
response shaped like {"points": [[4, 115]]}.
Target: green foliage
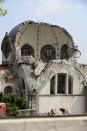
{"points": [[12, 99], [2, 11], [12, 110], [20, 103], [6, 99], [13, 103], [1, 1]]}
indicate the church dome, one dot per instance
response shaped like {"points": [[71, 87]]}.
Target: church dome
{"points": [[41, 40], [54, 29], [13, 32]]}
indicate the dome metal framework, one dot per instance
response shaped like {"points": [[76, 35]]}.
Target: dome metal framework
{"points": [[73, 52]]}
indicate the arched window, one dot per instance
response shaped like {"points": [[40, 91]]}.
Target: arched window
{"points": [[63, 52], [70, 85], [23, 87], [52, 85], [61, 79], [8, 90], [48, 53], [23, 84], [27, 50]]}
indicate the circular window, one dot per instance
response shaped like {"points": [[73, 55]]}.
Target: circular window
{"points": [[8, 90], [48, 53], [63, 52], [27, 50]]}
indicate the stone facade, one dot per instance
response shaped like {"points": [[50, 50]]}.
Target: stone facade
{"points": [[42, 63]]}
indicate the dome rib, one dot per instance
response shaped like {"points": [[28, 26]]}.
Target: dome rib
{"points": [[17, 28]]}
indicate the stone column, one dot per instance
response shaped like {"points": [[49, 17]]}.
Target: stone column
{"points": [[56, 77], [66, 84], [35, 103]]}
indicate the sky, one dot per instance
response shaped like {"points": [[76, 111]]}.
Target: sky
{"points": [[70, 14]]}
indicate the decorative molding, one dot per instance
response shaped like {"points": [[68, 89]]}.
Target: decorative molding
{"points": [[56, 44], [37, 43]]}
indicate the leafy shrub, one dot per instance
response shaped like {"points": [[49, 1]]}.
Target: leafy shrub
{"points": [[12, 110], [6, 99], [13, 103], [20, 103]]}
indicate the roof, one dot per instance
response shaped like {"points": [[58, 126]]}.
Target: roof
{"points": [[14, 31]]}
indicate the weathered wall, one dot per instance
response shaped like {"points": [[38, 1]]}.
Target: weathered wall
{"points": [[78, 88], [74, 104], [45, 124]]}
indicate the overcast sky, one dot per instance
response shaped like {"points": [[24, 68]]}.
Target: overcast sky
{"points": [[70, 14]]}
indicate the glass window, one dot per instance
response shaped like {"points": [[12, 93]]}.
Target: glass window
{"points": [[27, 50], [63, 52], [48, 53]]}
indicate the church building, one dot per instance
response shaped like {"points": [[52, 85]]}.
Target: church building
{"points": [[39, 62]]}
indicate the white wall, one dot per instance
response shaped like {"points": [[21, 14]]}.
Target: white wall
{"points": [[74, 104]]}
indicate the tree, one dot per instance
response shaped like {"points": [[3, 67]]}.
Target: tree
{"points": [[2, 11]]}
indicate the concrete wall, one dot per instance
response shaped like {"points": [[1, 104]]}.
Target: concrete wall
{"points": [[74, 104], [45, 124]]}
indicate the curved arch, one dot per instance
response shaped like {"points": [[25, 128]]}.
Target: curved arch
{"points": [[47, 53], [70, 85], [27, 50], [8, 90], [63, 52]]}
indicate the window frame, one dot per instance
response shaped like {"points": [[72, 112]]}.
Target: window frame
{"points": [[27, 50]]}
